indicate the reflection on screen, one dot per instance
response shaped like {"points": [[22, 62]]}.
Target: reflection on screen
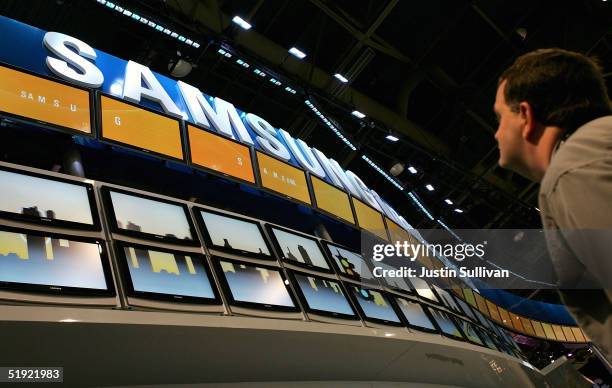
{"points": [[483, 321], [422, 288], [150, 216], [298, 248], [447, 299], [415, 314], [32, 259], [167, 273], [470, 331], [374, 304], [39, 197], [249, 283], [350, 263], [325, 295], [445, 322], [488, 340], [232, 233]]}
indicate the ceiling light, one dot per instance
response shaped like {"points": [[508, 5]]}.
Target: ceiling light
{"points": [[537, 209], [341, 78], [412, 170], [392, 138], [297, 53], [458, 211], [429, 187], [448, 201], [397, 169], [358, 114], [242, 23]]}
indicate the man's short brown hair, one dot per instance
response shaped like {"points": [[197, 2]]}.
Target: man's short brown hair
{"points": [[564, 88]]}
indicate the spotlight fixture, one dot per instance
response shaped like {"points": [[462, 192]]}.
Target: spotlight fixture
{"points": [[458, 210], [241, 22], [429, 187], [448, 201], [412, 170], [397, 168], [296, 52]]}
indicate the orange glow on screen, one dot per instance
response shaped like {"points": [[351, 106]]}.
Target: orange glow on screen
{"points": [[283, 178], [332, 199], [370, 219]]}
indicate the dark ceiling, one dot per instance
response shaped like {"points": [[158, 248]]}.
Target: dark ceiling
{"points": [[426, 71]]}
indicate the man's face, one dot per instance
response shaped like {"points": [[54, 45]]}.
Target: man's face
{"points": [[509, 132]]}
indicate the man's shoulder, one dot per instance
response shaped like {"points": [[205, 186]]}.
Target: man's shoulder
{"points": [[590, 143]]}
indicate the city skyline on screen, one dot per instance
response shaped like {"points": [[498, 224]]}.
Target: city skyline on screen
{"points": [[325, 295], [298, 248], [234, 233]]}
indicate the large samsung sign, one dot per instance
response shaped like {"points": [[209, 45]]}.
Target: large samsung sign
{"points": [[68, 58]]}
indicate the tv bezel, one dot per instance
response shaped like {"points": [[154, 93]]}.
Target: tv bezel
{"points": [[443, 301], [126, 277], [270, 228], [239, 252], [306, 305], [46, 124], [424, 308], [437, 302], [452, 318], [458, 323], [225, 287], [110, 210], [95, 216], [336, 266], [362, 312], [58, 290]]}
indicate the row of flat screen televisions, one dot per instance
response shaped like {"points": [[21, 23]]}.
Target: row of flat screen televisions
{"points": [[35, 261], [68, 108]]}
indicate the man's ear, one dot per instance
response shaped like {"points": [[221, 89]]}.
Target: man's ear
{"points": [[529, 131]]}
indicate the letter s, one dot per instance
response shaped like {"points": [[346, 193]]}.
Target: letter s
{"points": [[88, 75]]}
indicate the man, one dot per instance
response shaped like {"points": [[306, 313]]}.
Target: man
{"points": [[555, 127]]}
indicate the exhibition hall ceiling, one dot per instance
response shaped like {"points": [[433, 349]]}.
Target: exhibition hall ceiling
{"points": [[425, 72]]}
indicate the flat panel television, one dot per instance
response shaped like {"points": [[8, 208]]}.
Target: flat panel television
{"points": [[349, 263], [235, 235], [396, 283], [220, 154], [167, 275], [332, 200], [423, 290], [142, 216], [446, 323], [370, 219], [447, 299], [143, 129], [470, 331], [323, 296], [467, 310], [283, 178], [375, 306], [50, 102], [35, 261], [255, 286], [31, 197], [299, 249], [416, 315]]}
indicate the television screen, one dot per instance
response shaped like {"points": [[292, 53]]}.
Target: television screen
{"points": [[40, 99], [332, 200], [283, 178], [375, 305], [370, 219], [218, 153], [253, 284], [167, 274], [422, 288], [300, 249], [467, 310], [447, 299], [49, 262], [324, 295], [470, 331], [483, 321], [445, 323], [35, 198], [415, 314], [350, 263], [133, 126], [488, 340], [234, 234], [393, 282], [138, 214]]}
